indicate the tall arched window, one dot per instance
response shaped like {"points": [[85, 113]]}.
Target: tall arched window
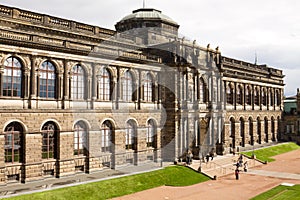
{"points": [[264, 97], [130, 135], [47, 80], [278, 98], [12, 78], [104, 85], [49, 141], [256, 96], [80, 138], [266, 129], [106, 136], [259, 130], [251, 131], [273, 129], [232, 131], [148, 88], [202, 91], [248, 95], [239, 95], [78, 82], [242, 131], [271, 97], [13, 146], [127, 86], [229, 94], [151, 133]]}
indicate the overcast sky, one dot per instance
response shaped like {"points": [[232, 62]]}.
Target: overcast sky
{"points": [[271, 28]]}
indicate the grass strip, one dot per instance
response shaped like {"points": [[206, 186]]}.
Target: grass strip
{"points": [[171, 176], [280, 193], [265, 154]]}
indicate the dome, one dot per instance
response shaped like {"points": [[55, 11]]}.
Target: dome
{"points": [[148, 14]]}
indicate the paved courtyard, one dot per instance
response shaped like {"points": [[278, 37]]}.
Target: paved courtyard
{"points": [[286, 169]]}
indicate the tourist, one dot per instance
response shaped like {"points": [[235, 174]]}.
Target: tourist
{"points": [[189, 157], [236, 172], [246, 166]]}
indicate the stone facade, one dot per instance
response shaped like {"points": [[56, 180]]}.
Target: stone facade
{"points": [[77, 98], [290, 127]]}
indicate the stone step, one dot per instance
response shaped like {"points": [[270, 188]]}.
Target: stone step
{"points": [[222, 165]]}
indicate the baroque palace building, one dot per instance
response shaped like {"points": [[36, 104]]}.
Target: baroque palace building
{"points": [[77, 98]]}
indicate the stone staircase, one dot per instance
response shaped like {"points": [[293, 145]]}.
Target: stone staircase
{"points": [[221, 165]]}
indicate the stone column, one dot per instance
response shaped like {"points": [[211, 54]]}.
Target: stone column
{"points": [[94, 85], [141, 150], [65, 163], [33, 167], [33, 84], [157, 153], [2, 161], [94, 160], [269, 131], [66, 86], [120, 153]]}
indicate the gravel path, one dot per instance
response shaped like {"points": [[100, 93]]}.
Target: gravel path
{"points": [[249, 185]]}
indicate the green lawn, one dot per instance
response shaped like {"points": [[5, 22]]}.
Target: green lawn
{"points": [[280, 192], [265, 154], [172, 176]]}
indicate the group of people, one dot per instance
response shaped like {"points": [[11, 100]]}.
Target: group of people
{"points": [[238, 165], [189, 156]]}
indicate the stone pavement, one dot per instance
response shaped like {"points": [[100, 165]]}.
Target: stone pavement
{"points": [[285, 169]]}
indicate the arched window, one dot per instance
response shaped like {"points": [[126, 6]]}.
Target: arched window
{"points": [[80, 138], [47, 80], [49, 141], [278, 98], [12, 78], [104, 85], [148, 88], [242, 131], [229, 94], [248, 95], [264, 97], [259, 130], [251, 131], [106, 136], [127, 86], [13, 146], [202, 91], [130, 135], [256, 96], [239, 95], [78, 82], [271, 98], [151, 133], [266, 129], [273, 129], [232, 131]]}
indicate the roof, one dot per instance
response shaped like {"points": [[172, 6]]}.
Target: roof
{"points": [[148, 13]]}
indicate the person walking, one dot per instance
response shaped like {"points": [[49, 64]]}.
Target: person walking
{"points": [[236, 172], [189, 157], [246, 166]]}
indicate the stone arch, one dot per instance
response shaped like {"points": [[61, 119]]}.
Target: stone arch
{"points": [[273, 132], [232, 132], [242, 131], [24, 127], [258, 125], [266, 129], [251, 132]]}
